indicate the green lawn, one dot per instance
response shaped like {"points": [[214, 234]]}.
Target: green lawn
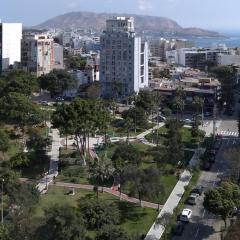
{"points": [[117, 129], [134, 220], [188, 140]]}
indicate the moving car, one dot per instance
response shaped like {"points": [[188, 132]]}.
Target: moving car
{"points": [[186, 215], [178, 228], [192, 199], [198, 189]]}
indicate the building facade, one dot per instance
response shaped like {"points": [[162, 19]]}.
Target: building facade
{"points": [[123, 59], [37, 54], [10, 44], [58, 56], [196, 57]]}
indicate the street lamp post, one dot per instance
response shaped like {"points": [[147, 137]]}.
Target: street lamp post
{"points": [[2, 203]]}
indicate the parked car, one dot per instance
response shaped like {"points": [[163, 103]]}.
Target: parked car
{"points": [[44, 103], [160, 118], [198, 189], [212, 159], [217, 145], [229, 112], [188, 121], [192, 199], [186, 215], [212, 152], [208, 114], [59, 99], [178, 228]]}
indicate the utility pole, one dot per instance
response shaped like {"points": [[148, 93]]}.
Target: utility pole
{"points": [[215, 114], [2, 203]]}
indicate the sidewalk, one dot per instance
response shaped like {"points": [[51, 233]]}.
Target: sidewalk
{"points": [[54, 159], [156, 231]]}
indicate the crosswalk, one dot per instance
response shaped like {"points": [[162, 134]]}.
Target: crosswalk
{"points": [[229, 133]]}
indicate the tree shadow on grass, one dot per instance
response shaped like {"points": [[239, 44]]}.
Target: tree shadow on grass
{"points": [[130, 212]]}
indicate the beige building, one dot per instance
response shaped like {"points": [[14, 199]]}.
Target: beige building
{"points": [[37, 54]]}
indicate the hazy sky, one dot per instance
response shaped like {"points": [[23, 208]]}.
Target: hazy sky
{"points": [[211, 14]]}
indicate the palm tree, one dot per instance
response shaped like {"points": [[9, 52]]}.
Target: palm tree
{"points": [[198, 104], [128, 124], [179, 104], [100, 170]]}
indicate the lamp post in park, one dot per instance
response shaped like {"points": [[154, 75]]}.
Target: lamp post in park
{"points": [[2, 203]]}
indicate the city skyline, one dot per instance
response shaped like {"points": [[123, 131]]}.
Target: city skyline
{"points": [[213, 15]]}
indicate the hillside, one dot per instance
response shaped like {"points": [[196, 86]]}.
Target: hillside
{"points": [[96, 21]]}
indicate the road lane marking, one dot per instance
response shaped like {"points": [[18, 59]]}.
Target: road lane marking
{"points": [[204, 211], [197, 232]]}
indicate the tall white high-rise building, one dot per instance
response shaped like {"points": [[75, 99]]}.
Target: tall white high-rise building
{"points": [[123, 59], [10, 44]]}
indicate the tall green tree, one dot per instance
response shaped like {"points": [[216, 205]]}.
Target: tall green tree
{"points": [[124, 156], [57, 81], [82, 118], [62, 222], [232, 156], [4, 142], [98, 213], [174, 144], [19, 82], [226, 76], [16, 108], [144, 183], [179, 104], [100, 170], [110, 232], [222, 200]]}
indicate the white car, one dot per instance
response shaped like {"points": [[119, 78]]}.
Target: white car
{"points": [[187, 121], [186, 215], [115, 139]]}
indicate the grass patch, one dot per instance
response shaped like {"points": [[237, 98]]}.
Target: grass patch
{"points": [[188, 140], [134, 219]]}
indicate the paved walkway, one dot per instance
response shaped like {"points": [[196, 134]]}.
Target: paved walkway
{"points": [[54, 160], [156, 231], [110, 191]]}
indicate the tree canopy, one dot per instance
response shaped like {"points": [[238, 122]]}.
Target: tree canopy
{"points": [[18, 82], [126, 154], [57, 81], [98, 213], [82, 118], [222, 200], [62, 222], [17, 108]]}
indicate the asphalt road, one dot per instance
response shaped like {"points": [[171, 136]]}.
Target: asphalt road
{"points": [[205, 225]]}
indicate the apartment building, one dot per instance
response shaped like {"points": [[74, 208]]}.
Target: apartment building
{"points": [[10, 44], [196, 57], [159, 47], [37, 54], [58, 56], [123, 59]]}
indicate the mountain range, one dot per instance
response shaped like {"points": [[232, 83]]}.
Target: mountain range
{"points": [[148, 24]]}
